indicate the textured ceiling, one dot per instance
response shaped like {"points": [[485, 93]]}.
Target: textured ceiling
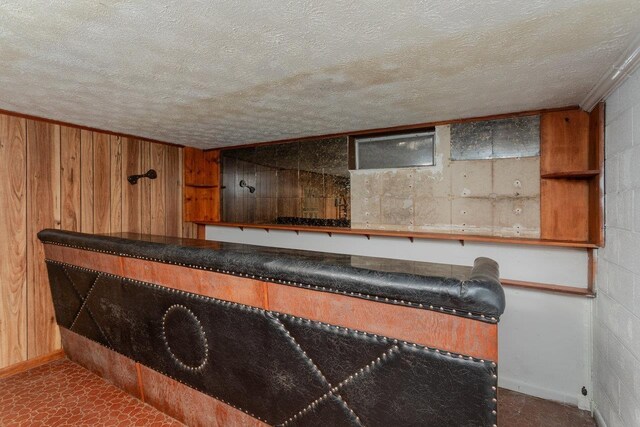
{"points": [[213, 73]]}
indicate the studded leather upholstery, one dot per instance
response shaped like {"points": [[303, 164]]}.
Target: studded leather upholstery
{"points": [[278, 368], [470, 292]]}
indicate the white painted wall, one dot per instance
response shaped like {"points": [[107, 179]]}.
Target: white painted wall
{"points": [[617, 312], [544, 339]]}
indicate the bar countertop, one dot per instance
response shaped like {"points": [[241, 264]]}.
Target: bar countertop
{"points": [[461, 290]]}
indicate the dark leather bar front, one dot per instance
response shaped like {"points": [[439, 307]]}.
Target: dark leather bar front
{"points": [[278, 368]]}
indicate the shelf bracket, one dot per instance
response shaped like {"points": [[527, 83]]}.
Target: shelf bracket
{"points": [[410, 239], [462, 242]]}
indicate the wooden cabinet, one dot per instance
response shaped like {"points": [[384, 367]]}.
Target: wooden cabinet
{"points": [[571, 165], [201, 185]]}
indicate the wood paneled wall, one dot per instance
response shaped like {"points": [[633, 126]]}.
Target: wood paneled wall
{"points": [[54, 176]]}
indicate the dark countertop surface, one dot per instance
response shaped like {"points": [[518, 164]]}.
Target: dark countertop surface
{"points": [[456, 289]]}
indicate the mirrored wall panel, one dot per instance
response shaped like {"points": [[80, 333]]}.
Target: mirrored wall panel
{"points": [[496, 139], [294, 183]]}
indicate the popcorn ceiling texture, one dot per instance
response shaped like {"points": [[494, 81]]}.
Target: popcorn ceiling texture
{"points": [[216, 73], [499, 197]]}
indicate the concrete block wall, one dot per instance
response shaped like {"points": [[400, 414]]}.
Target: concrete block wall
{"points": [[616, 354]]}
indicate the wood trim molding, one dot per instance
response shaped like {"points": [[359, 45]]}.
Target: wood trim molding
{"points": [[408, 234], [31, 363], [549, 287], [87, 128]]}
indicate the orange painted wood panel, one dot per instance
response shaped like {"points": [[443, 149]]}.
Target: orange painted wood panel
{"points": [[86, 181], [425, 327], [13, 240], [70, 180], [43, 211], [202, 282], [108, 364], [92, 260]]}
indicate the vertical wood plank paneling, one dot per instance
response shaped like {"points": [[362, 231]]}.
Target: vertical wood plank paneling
{"points": [[145, 189], [158, 188], [86, 179], [13, 241], [43, 211], [116, 184], [131, 200], [173, 198], [101, 183], [70, 148], [189, 230], [55, 176]]}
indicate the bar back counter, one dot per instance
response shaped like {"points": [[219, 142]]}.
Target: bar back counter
{"points": [[227, 334]]}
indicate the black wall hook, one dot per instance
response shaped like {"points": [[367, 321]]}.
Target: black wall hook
{"points": [[243, 184], [151, 174]]}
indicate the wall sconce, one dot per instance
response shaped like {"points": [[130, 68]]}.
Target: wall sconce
{"points": [[151, 174], [243, 184]]}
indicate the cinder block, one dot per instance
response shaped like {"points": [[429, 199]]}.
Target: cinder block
{"points": [[629, 406], [602, 276], [621, 286], [624, 210], [629, 251], [611, 172]]}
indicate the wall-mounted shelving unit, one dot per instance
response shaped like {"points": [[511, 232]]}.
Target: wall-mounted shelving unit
{"points": [[201, 190], [571, 195], [571, 165]]}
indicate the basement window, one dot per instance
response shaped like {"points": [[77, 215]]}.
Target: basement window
{"points": [[400, 150]]}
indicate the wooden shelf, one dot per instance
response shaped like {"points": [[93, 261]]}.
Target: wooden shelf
{"points": [[410, 235], [545, 287], [584, 174]]}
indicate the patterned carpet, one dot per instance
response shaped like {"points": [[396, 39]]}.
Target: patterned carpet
{"points": [[62, 393]]}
